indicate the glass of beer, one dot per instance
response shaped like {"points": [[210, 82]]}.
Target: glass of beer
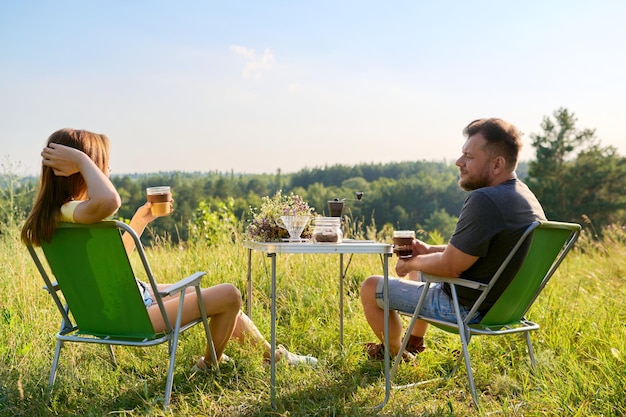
{"points": [[403, 238], [160, 198]]}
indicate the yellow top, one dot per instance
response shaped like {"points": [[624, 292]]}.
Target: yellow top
{"points": [[67, 211]]}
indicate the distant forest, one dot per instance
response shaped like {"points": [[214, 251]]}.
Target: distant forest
{"points": [[414, 195], [574, 177]]}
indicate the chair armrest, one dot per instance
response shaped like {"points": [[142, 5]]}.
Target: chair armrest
{"points": [[190, 281], [55, 287], [456, 281]]}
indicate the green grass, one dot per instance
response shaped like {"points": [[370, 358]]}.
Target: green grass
{"points": [[580, 348]]}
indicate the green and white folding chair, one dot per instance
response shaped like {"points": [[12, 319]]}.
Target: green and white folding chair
{"points": [[97, 295], [549, 244]]}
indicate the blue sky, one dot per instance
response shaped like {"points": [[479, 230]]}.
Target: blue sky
{"points": [[259, 86]]}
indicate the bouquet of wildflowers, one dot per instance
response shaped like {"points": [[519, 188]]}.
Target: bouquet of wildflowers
{"points": [[263, 227]]}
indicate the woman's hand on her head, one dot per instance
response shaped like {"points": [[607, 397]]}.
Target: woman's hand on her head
{"points": [[63, 160]]}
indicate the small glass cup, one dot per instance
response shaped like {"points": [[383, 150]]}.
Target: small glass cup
{"points": [[327, 230], [403, 238], [161, 198]]}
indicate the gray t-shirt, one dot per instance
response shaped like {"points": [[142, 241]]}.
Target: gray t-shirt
{"points": [[490, 223]]}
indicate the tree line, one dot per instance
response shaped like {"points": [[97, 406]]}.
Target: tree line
{"points": [[420, 195], [573, 175]]}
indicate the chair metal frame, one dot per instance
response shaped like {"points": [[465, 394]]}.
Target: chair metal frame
{"points": [[490, 325], [70, 331]]}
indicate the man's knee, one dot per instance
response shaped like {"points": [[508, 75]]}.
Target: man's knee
{"points": [[368, 289]]}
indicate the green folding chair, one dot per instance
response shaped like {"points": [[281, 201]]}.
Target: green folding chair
{"points": [[98, 298], [549, 244]]}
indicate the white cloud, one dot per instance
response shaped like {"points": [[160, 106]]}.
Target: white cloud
{"points": [[243, 51], [255, 65]]}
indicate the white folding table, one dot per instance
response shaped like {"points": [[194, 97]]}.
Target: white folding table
{"points": [[271, 249]]}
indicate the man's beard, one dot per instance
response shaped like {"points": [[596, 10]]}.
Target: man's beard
{"points": [[471, 184]]}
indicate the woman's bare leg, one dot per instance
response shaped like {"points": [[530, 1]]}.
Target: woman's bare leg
{"points": [[221, 302], [245, 329]]}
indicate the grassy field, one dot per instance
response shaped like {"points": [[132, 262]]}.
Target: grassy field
{"points": [[580, 348]]}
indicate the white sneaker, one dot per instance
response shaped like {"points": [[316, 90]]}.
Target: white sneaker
{"points": [[293, 359]]}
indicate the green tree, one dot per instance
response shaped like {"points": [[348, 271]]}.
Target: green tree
{"points": [[212, 226], [573, 175], [597, 180]]}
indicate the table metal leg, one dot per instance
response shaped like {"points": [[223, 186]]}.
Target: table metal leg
{"points": [[386, 329], [273, 334], [341, 278], [250, 283]]}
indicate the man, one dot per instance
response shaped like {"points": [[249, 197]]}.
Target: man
{"points": [[493, 217]]}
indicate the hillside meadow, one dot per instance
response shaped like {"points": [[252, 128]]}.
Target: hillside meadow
{"points": [[580, 348]]}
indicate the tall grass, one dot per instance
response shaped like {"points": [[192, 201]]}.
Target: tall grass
{"points": [[580, 348]]}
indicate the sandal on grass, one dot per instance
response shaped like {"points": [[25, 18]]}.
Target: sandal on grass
{"points": [[203, 366], [376, 351]]}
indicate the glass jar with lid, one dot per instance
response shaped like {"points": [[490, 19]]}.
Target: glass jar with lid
{"points": [[327, 230]]}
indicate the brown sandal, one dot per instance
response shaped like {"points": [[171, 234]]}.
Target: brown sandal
{"points": [[376, 351]]}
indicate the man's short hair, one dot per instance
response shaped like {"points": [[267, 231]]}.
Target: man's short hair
{"points": [[503, 138]]}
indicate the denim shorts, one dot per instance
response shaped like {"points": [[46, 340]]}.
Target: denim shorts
{"points": [[144, 289], [404, 295]]}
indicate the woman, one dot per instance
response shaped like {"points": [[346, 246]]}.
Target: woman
{"points": [[75, 187]]}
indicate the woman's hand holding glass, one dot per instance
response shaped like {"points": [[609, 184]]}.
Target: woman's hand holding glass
{"points": [[144, 213]]}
